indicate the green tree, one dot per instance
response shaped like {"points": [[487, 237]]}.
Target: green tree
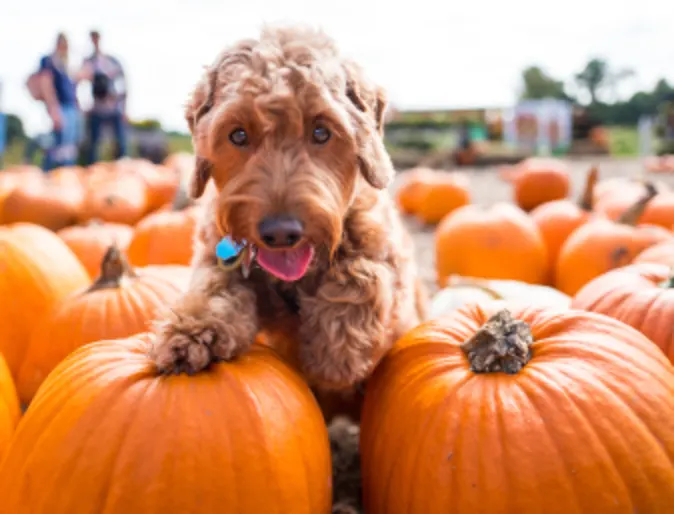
{"points": [[538, 84], [593, 77]]}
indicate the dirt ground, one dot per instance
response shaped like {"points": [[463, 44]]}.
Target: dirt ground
{"points": [[487, 188]]}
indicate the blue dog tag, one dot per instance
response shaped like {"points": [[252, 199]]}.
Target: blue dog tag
{"points": [[228, 249]]}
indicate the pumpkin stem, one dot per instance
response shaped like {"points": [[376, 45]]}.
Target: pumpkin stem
{"points": [[632, 215], [181, 200], [501, 344], [114, 268], [586, 200]]}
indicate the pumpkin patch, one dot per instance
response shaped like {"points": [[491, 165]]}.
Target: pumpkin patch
{"points": [[541, 380]]}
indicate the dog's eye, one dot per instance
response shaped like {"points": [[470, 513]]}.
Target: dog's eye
{"points": [[239, 137], [321, 134]]}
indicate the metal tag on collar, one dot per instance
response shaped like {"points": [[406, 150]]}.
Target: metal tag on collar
{"points": [[247, 261], [229, 253]]}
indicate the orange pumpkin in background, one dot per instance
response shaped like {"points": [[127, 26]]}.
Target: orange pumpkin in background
{"points": [[244, 436], [602, 244], [29, 177], [661, 253], [442, 194], [90, 242], [659, 211], [411, 189], [54, 202], [120, 303], [537, 181], [37, 271], [117, 199], [166, 236], [641, 295], [10, 411], [161, 182], [498, 242], [558, 219], [526, 411]]}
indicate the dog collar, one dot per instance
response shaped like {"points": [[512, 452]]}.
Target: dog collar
{"points": [[232, 255]]}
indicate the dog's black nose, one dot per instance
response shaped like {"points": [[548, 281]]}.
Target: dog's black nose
{"points": [[280, 231]]}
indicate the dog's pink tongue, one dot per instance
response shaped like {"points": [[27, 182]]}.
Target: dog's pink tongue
{"points": [[288, 265]]}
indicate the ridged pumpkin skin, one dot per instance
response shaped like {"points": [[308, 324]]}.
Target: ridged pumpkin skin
{"points": [[661, 253], [121, 302], [37, 271], [499, 242], [90, 242], [641, 295], [244, 437], [586, 426], [600, 246], [442, 194], [9, 407], [164, 237]]}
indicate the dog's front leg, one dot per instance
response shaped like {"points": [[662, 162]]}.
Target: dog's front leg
{"points": [[346, 326], [215, 320]]}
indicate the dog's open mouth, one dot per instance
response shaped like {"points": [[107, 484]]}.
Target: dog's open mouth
{"points": [[288, 265]]}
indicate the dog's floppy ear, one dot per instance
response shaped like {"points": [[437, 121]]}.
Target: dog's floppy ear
{"points": [[373, 159], [199, 105]]}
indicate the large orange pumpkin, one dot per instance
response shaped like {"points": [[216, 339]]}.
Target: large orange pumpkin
{"points": [[412, 186], [661, 253], [602, 244], [242, 437], [442, 194], [521, 412], [499, 242], [37, 270], [120, 303], [537, 181], [90, 242], [9, 407], [166, 236], [641, 295], [558, 219]]}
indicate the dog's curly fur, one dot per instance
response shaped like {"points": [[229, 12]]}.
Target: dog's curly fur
{"points": [[361, 291]]}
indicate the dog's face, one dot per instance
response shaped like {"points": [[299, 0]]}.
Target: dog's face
{"points": [[290, 134]]}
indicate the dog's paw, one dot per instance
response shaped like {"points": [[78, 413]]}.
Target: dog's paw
{"points": [[189, 346]]}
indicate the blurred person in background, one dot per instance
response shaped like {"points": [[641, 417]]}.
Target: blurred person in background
{"points": [[53, 85], [108, 88]]}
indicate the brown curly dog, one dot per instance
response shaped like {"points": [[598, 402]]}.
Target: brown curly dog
{"points": [[290, 133]]}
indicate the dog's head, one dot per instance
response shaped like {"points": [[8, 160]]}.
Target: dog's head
{"points": [[290, 132]]}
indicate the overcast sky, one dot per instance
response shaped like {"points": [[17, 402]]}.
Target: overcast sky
{"points": [[427, 53]]}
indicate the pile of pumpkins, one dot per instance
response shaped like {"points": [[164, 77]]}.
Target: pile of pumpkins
{"points": [[551, 404]]}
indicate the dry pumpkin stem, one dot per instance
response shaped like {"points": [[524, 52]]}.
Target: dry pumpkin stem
{"points": [[586, 201], [501, 344], [114, 268], [632, 215]]}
